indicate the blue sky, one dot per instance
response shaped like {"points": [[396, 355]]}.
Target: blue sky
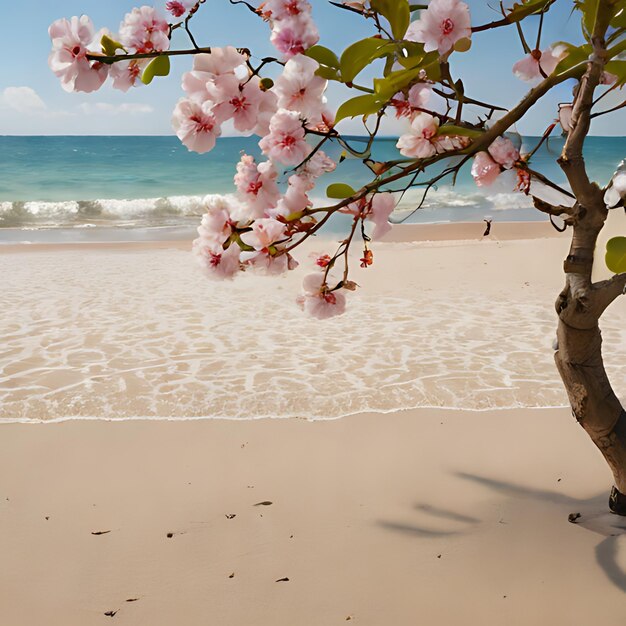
{"points": [[32, 101]]}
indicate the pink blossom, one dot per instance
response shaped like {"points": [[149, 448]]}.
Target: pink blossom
{"points": [[419, 95], [295, 198], [269, 264], [144, 30], [264, 233], [285, 142], [294, 35], [503, 151], [219, 62], [320, 163], [485, 170], [267, 108], [195, 126], [68, 59], [213, 75], [127, 74], [528, 68], [418, 142], [447, 143], [257, 185], [376, 208], [318, 301], [418, 98], [179, 7], [283, 9], [299, 89], [441, 25], [382, 207], [216, 262], [216, 227], [242, 105]]}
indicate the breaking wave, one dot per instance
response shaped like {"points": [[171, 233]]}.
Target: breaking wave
{"points": [[105, 212], [184, 210]]}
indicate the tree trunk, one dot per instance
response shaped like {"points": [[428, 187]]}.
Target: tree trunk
{"points": [[594, 403], [582, 302], [579, 348]]}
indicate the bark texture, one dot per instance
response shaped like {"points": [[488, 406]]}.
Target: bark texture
{"points": [[582, 302]]}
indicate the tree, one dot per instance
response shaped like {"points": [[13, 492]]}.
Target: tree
{"points": [[411, 47]]}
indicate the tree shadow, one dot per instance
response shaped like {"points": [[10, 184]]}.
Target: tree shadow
{"points": [[592, 514], [418, 531]]}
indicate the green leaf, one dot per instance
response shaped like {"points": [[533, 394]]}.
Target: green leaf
{"points": [[411, 56], [575, 56], [324, 56], [463, 45], [361, 105], [360, 54], [395, 82], [397, 13], [619, 69], [340, 191], [329, 73], [451, 129], [589, 10], [616, 255], [160, 66], [619, 18], [110, 46], [523, 9]]}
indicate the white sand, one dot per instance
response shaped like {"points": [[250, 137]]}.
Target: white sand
{"points": [[362, 509]]}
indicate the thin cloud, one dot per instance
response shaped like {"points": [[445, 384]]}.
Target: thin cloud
{"points": [[23, 100], [105, 108]]}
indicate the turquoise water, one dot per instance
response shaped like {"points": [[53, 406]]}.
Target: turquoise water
{"points": [[154, 182]]}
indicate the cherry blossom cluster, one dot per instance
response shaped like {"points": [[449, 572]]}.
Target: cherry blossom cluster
{"points": [[501, 155], [143, 30], [255, 227], [219, 88], [293, 28], [422, 139]]}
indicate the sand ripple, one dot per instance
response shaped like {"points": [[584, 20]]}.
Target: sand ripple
{"points": [[140, 334]]}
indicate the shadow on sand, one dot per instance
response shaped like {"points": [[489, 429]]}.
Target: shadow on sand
{"points": [[594, 516]]}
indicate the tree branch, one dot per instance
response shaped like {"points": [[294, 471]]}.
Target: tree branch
{"points": [[572, 161], [551, 209], [608, 291], [115, 58]]}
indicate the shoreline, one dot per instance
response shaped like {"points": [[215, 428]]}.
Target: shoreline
{"points": [[262, 418], [401, 233]]}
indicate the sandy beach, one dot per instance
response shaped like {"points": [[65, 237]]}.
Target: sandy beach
{"points": [[442, 495], [436, 517]]}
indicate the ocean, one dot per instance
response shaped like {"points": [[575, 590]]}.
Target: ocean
{"points": [[131, 188]]}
